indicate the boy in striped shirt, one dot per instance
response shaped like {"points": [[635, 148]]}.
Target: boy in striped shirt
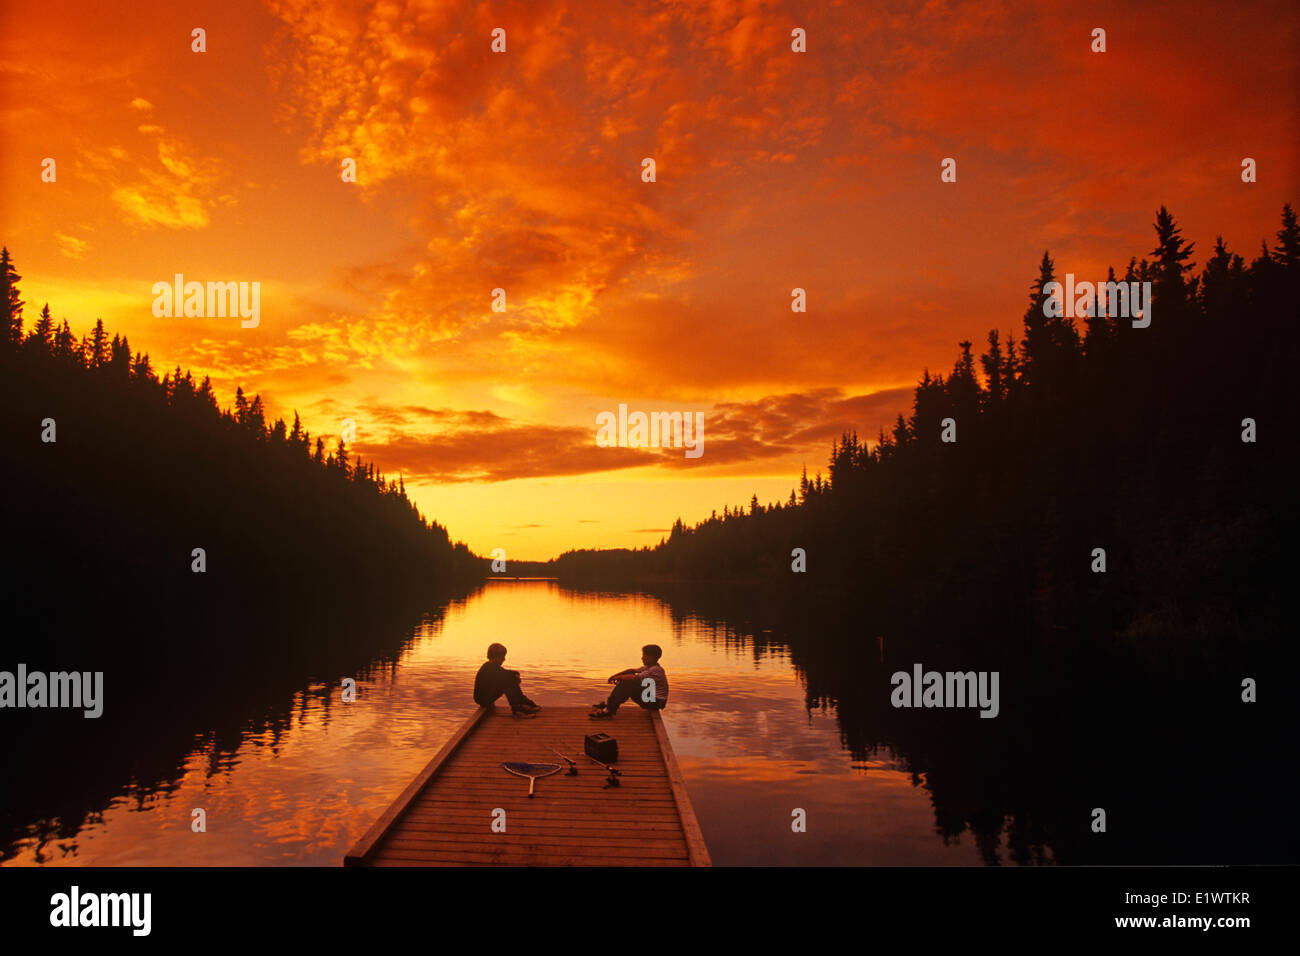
{"points": [[647, 685]]}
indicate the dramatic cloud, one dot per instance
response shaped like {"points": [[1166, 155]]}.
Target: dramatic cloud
{"points": [[446, 445], [521, 171]]}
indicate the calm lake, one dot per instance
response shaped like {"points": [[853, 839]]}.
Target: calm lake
{"points": [[749, 747]]}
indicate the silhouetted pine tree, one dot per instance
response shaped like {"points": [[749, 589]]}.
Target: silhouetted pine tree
{"points": [[1038, 337], [1173, 291], [41, 337], [992, 364], [1287, 251], [11, 321]]}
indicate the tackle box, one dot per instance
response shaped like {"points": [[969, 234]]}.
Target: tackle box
{"points": [[601, 747]]}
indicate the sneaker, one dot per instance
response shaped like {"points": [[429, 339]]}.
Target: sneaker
{"points": [[598, 705], [600, 715], [522, 712], [531, 708]]}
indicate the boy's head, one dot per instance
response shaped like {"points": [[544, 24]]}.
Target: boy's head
{"points": [[650, 654], [496, 653]]}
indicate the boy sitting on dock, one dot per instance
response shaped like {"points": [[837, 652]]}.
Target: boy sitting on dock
{"points": [[493, 680], [647, 685]]}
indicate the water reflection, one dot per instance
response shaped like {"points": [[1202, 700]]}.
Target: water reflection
{"points": [[764, 723]]}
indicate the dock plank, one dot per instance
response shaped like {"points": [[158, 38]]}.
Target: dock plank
{"points": [[445, 816]]}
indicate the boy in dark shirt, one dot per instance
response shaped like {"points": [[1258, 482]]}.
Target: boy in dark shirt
{"points": [[493, 680], [647, 685]]}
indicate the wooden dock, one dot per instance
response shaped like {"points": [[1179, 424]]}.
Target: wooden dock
{"points": [[444, 817]]}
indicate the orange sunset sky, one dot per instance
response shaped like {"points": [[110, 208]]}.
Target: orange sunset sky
{"points": [[521, 170]]}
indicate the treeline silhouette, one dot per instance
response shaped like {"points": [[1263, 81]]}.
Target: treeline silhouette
{"points": [[1077, 435], [318, 567], [1120, 689], [143, 470]]}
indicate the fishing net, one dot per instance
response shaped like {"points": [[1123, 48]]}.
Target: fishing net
{"points": [[521, 769]]}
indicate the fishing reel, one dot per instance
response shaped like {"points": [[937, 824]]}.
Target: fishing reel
{"points": [[612, 779], [573, 765]]}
